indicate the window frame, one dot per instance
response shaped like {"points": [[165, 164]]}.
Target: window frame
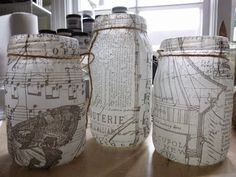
{"points": [[209, 12]]}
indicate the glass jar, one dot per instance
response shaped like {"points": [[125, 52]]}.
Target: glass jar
{"points": [[84, 41], [44, 100], [88, 25], [73, 21], [47, 31], [119, 9], [64, 32], [121, 77], [192, 100]]}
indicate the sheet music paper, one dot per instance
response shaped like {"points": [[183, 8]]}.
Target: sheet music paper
{"points": [[45, 101]]}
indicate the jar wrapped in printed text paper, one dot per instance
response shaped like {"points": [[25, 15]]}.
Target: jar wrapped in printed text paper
{"points": [[192, 100], [45, 100], [121, 77]]}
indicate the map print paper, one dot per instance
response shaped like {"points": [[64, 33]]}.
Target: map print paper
{"points": [[192, 101]]}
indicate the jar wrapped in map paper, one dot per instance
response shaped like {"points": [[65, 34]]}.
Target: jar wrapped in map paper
{"points": [[45, 100], [121, 77], [192, 100]]}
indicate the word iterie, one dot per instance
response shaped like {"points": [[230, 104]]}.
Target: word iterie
{"points": [[112, 119]]}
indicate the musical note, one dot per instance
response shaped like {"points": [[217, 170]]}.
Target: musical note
{"points": [[34, 89], [53, 92], [14, 91]]}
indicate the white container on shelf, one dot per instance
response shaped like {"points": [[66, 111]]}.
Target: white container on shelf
{"points": [[45, 100], [14, 23], [121, 77], [192, 100]]}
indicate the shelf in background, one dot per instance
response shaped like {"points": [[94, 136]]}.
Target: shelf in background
{"points": [[44, 15], [39, 10]]}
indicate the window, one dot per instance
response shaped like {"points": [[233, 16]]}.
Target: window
{"points": [[166, 23], [165, 18], [234, 25], [104, 4]]}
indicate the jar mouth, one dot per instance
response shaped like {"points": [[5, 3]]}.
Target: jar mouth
{"points": [[73, 15], [43, 45], [217, 45], [120, 20]]}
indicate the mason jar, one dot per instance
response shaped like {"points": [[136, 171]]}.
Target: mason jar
{"points": [[88, 25], [121, 78], [64, 32], [192, 100], [73, 21], [44, 100], [47, 31], [84, 41]]}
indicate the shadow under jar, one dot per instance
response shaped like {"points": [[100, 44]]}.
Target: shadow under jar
{"points": [[192, 100], [121, 76], [45, 100]]}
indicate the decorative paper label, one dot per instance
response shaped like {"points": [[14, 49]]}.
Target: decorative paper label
{"points": [[121, 75], [45, 110], [192, 109]]}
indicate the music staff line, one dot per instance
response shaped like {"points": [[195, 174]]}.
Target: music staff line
{"points": [[23, 110], [42, 83]]}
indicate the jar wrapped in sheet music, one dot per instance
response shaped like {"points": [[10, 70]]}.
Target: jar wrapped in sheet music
{"points": [[121, 77], [192, 100], [45, 100]]}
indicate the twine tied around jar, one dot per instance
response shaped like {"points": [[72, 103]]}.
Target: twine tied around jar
{"points": [[81, 57], [119, 27], [160, 54], [136, 108]]}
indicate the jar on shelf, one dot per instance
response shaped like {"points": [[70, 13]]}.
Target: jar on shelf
{"points": [[73, 21], [47, 31], [64, 32], [119, 9], [44, 100], [84, 41], [121, 77], [192, 100], [88, 25], [96, 16], [87, 14]]}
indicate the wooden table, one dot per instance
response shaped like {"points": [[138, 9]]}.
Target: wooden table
{"points": [[97, 161]]}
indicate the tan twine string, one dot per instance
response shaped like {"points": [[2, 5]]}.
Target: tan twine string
{"points": [[159, 52], [40, 56], [120, 27], [129, 28], [90, 76], [81, 58], [95, 34]]}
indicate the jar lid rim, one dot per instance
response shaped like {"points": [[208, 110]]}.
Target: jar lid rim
{"points": [[64, 30], [88, 20], [120, 20], [119, 9], [73, 15], [37, 44], [190, 43], [48, 31], [197, 38]]}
